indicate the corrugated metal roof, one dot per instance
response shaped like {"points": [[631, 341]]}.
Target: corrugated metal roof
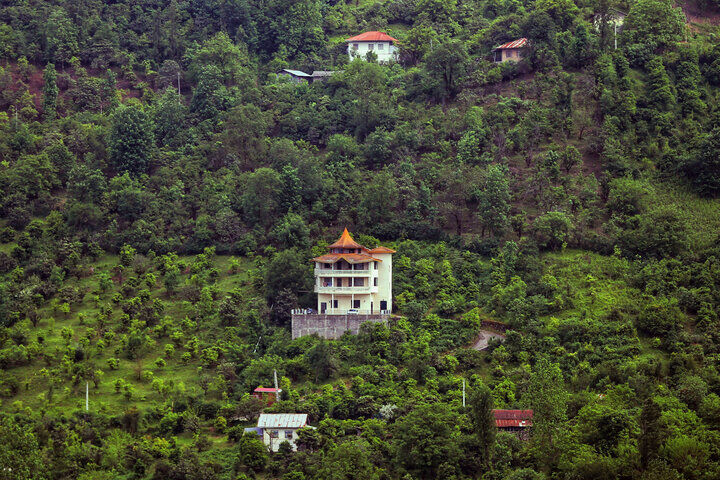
{"points": [[373, 36], [296, 73], [519, 43], [513, 423], [322, 73], [268, 390], [513, 418], [282, 420]]}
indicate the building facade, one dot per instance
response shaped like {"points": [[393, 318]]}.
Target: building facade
{"points": [[380, 43], [276, 428], [352, 279], [353, 285], [510, 52]]}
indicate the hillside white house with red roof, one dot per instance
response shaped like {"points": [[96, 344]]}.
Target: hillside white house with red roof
{"points": [[380, 43], [511, 51], [353, 285]]}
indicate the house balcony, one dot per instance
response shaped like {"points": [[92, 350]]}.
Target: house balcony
{"points": [[328, 272], [366, 289]]}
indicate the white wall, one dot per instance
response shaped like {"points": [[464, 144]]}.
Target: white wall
{"points": [[383, 291], [274, 443], [387, 53], [384, 280]]}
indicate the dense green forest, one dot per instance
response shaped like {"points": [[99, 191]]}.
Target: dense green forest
{"points": [[162, 190]]}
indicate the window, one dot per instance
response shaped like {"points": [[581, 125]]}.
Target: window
{"points": [[371, 46], [274, 434], [381, 46], [375, 265], [359, 282], [375, 281], [288, 434], [335, 303], [327, 266], [356, 303], [356, 46]]}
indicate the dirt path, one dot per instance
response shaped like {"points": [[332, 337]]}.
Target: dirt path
{"points": [[484, 338]]}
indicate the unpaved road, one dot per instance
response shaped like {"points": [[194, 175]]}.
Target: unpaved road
{"points": [[484, 338]]}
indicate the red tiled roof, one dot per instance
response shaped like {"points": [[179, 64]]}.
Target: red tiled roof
{"points": [[346, 241], [372, 37], [267, 390], [381, 249], [513, 418], [348, 257], [519, 43]]}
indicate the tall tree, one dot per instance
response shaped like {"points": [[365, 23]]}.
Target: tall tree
{"points": [[447, 64], [493, 197], [650, 432], [50, 92], [483, 420], [131, 139], [548, 399], [110, 93], [20, 457], [425, 441]]}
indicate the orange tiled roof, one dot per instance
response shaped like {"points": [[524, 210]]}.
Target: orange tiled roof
{"points": [[372, 36], [381, 249], [346, 241], [348, 257]]}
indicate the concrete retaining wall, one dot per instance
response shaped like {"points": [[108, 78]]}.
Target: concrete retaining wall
{"points": [[331, 326]]}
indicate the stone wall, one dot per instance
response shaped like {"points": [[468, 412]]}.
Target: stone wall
{"points": [[330, 326]]}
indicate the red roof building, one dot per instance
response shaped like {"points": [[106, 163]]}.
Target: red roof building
{"points": [[373, 36], [513, 419], [510, 51], [267, 395], [379, 44]]}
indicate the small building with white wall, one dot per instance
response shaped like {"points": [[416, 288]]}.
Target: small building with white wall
{"points": [[511, 51], [280, 427], [380, 43]]}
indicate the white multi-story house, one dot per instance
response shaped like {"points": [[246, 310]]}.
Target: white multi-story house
{"points": [[352, 279], [380, 43]]}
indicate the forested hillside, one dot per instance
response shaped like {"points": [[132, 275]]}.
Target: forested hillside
{"points": [[162, 191]]}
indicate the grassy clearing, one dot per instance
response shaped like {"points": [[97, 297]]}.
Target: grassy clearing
{"points": [[593, 283], [701, 214]]}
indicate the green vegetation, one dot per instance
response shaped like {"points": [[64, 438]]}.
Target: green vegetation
{"points": [[162, 191]]}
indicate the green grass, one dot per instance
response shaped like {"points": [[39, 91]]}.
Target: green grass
{"points": [[701, 214], [595, 284]]}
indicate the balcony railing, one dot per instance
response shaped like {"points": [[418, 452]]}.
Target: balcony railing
{"points": [[338, 311], [328, 272], [332, 289]]}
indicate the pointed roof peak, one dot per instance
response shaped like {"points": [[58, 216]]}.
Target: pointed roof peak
{"points": [[345, 241]]}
